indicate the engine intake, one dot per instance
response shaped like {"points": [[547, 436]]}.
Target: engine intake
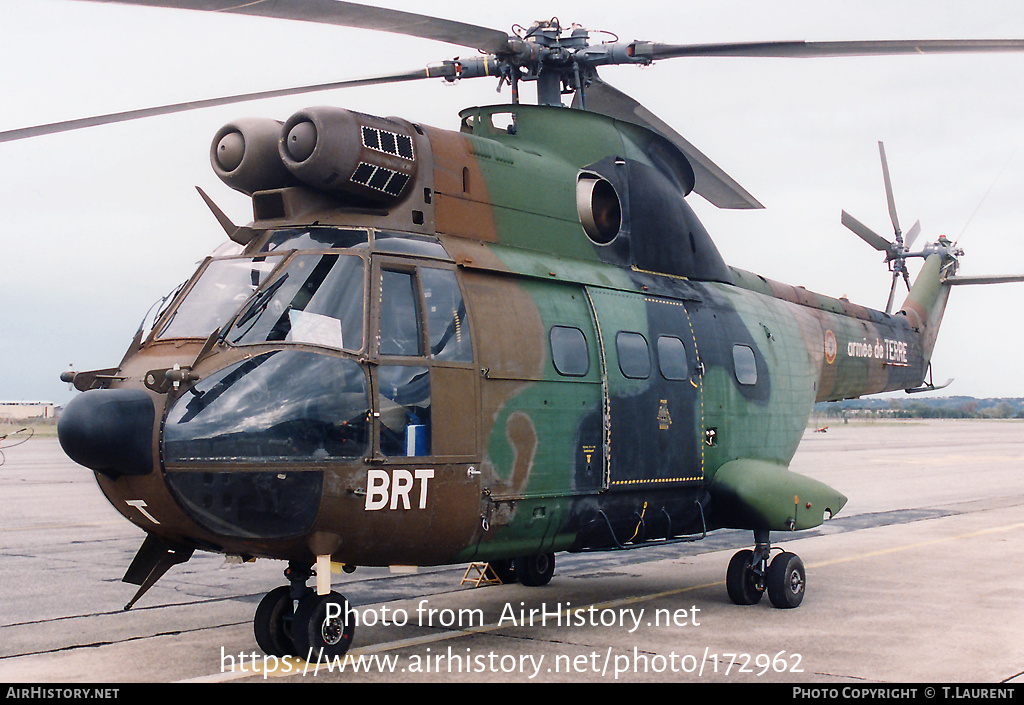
{"points": [[340, 151], [244, 154]]}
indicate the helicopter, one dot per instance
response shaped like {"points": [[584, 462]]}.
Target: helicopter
{"points": [[495, 344]]}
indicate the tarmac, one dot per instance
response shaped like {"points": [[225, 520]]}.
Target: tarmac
{"points": [[917, 581]]}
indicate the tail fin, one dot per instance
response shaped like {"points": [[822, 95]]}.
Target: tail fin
{"points": [[926, 301]]}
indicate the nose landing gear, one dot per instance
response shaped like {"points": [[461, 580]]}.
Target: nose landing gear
{"points": [[751, 574], [293, 620]]}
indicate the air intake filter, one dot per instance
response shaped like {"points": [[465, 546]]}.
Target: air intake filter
{"points": [[245, 156], [339, 151]]}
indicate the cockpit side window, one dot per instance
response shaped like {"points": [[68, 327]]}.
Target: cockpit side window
{"points": [[399, 315], [447, 323], [404, 410]]}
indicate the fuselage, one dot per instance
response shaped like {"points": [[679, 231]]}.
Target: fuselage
{"points": [[468, 373]]}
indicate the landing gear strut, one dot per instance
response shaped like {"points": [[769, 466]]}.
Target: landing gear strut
{"points": [[293, 620], [751, 573]]}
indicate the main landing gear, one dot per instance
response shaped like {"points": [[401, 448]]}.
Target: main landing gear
{"points": [[293, 620], [532, 571], [751, 573]]}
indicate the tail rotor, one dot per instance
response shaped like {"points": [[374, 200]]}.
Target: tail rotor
{"points": [[896, 251]]}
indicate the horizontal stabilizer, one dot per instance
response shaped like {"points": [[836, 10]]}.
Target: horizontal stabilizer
{"points": [[990, 279]]}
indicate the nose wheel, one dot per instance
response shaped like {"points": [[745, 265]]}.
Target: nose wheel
{"points": [[322, 628], [293, 620], [273, 623], [751, 574]]}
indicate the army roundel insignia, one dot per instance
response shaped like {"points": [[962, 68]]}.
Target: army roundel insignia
{"points": [[830, 346]]}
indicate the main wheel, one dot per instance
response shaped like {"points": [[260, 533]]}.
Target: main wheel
{"points": [[786, 580], [534, 571], [741, 581], [273, 622], [322, 627]]}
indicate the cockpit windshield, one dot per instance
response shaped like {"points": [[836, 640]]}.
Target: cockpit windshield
{"points": [[317, 299], [222, 287], [312, 298]]}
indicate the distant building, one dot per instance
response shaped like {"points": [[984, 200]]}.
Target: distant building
{"points": [[20, 410]]}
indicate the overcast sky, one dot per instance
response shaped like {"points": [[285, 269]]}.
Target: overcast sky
{"points": [[98, 224]]}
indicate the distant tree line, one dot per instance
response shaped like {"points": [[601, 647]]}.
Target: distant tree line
{"points": [[925, 408]]}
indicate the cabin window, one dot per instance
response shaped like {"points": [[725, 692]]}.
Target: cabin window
{"points": [[634, 355], [745, 364], [672, 358], [316, 300], [447, 324], [569, 352], [404, 407], [399, 315]]}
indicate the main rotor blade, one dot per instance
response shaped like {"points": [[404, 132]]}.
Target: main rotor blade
{"points": [[710, 181], [802, 50], [867, 234], [349, 14], [80, 123]]}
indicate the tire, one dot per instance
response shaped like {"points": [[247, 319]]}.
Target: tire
{"points": [[535, 571], [272, 624], [786, 581], [741, 581], [322, 627]]}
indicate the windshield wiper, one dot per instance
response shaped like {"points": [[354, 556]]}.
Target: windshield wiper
{"points": [[258, 303]]}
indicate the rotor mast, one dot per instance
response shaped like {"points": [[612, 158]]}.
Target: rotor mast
{"points": [[561, 61]]}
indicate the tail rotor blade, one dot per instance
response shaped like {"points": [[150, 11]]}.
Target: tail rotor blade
{"points": [[892, 292], [888, 191], [912, 234], [867, 234]]}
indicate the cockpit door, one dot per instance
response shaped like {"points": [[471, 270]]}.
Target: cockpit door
{"points": [[424, 386]]}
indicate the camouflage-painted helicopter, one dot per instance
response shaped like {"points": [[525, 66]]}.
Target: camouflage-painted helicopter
{"points": [[496, 344]]}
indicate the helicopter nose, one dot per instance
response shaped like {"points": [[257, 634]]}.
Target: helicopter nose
{"points": [[109, 431]]}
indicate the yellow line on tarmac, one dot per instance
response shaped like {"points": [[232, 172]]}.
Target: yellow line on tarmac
{"points": [[932, 542]]}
